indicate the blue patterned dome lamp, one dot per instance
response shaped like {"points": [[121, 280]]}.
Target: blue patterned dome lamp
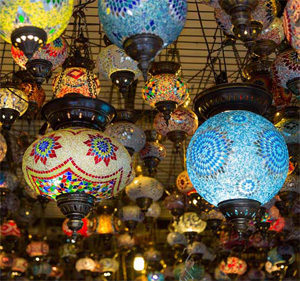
{"points": [[237, 160], [142, 28]]}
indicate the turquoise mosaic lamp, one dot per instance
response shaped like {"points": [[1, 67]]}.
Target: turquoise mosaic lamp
{"points": [[237, 160], [142, 28]]}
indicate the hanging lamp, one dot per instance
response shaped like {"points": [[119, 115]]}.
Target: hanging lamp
{"points": [[115, 64], [236, 173], [28, 25], [46, 59], [165, 90], [142, 28]]}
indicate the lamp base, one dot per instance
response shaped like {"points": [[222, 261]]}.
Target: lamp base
{"points": [[75, 206], [122, 79], [143, 48], [162, 67], [74, 110], [239, 212], [144, 203], [39, 69], [294, 86], [28, 39], [8, 116], [166, 108], [177, 136], [248, 33], [264, 47], [233, 96]]}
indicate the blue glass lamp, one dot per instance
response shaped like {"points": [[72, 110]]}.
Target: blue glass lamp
{"points": [[237, 160], [142, 27]]}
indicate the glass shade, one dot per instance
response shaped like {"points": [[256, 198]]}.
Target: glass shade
{"points": [[235, 155], [122, 19], [281, 96], [113, 59], [13, 98], [19, 264], [291, 23], [144, 187], [174, 201], [154, 210], [8, 180], [183, 182], [5, 260], [10, 228], [3, 147], [286, 67], [131, 213], [85, 230], [128, 134], [109, 265], [182, 119], [233, 265], [37, 249], [125, 240], [273, 32], [68, 250], [53, 17], [213, 215], [176, 238], [85, 264], [34, 93], [77, 160], [76, 80], [165, 87], [190, 222], [105, 224], [139, 263], [153, 149], [200, 248], [55, 52]]}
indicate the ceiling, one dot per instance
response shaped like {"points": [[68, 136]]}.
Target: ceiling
{"points": [[199, 38]]}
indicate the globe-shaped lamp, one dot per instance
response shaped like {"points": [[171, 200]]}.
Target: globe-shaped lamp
{"points": [[19, 264], [237, 160], [85, 264], [125, 241], [13, 104], [109, 265], [45, 59], [131, 215], [105, 224], [114, 64], [164, 92], [175, 203], [10, 228], [142, 28], [37, 249], [233, 266], [76, 80], [183, 122], [41, 270], [76, 163], [144, 190], [28, 25], [128, 134], [153, 211], [286, 69], [176, 238]]}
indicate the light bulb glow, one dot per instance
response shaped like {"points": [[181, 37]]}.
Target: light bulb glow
{"points": [[139, 263]]}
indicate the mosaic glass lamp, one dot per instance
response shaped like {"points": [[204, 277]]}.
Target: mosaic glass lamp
{"points": [[105, 224], [183, 182], [286, 71], [13, 104], [126, 132], [182, 123], [219, 171], [176, 238], [28, 25], [233, 267], [10, 228], [108, 265], [175, 203], [80, 162], [125, 241], [47, 58], [165, 92], [85, 264], [155, 276], [115, 64], [3, 147], [8, 181], [76, 80], [131, 215], [37, 249], [153, 151], [144, 190], [19, 265], [41, 270], [142, 28], [290, 24]]}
